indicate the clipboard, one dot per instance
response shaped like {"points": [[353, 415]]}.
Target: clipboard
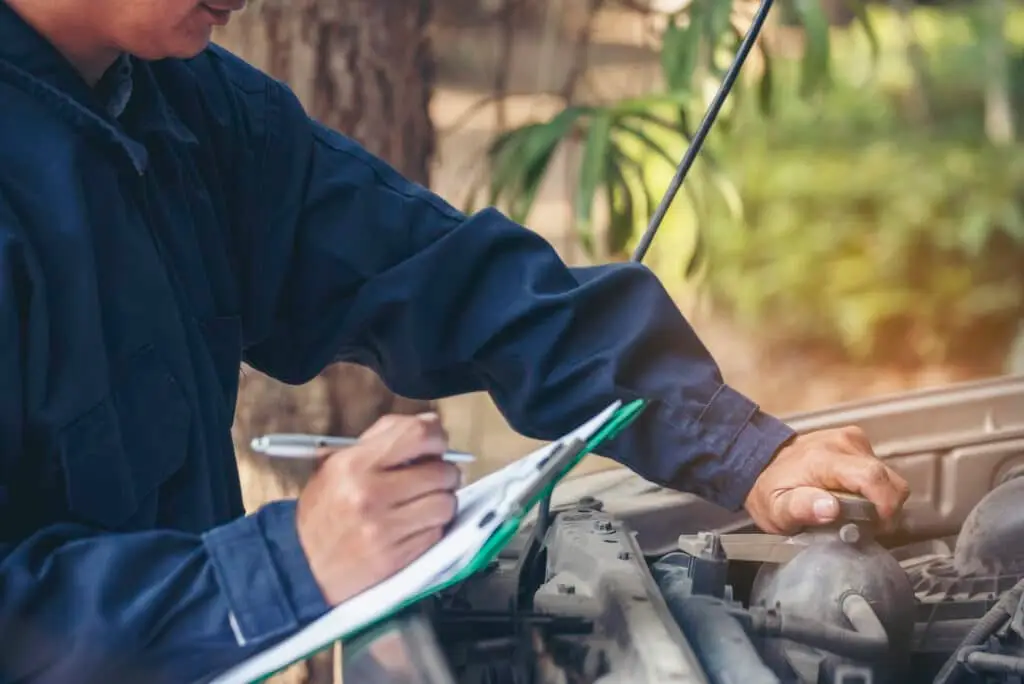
{"points": [[563, 456]]}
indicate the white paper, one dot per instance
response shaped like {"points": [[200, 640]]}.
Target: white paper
{"points": [[438, 564]]}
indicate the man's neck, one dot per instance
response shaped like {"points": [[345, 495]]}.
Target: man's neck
{"points": [[69, 30]]}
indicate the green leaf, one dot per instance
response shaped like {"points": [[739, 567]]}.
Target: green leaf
{"points": [[510, 157], [646, 109], [634, 165], [679, 53], [727, 190], [647, 141], [815, 65], [619, 196], [1013, 221], [860, 12], [648, 103], [677, 129], [719, 24], [766, 86], [520, 159], [976, 230], [521, 202], [698, 256], [593, 169]]}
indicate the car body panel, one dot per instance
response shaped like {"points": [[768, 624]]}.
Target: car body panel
{"points": [[953, 444]]}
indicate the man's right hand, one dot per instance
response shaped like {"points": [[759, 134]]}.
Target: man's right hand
{"points": [[367, 512]]}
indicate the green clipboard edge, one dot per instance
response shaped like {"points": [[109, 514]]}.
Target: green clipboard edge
{"points": [[619, 421]]}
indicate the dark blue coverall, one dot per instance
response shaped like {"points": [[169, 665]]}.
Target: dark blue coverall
{"points": [[188, 215]]}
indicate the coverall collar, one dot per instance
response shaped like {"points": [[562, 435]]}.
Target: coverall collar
{"points": [[30, 62]]}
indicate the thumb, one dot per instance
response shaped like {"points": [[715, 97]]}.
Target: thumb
{"points": [[804, 507]]}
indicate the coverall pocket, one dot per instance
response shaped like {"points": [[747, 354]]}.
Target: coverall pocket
{"points": [[116, 455]]}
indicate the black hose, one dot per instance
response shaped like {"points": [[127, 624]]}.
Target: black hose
{"points": [[725, 652], [863, 617], [996, 617], [867, 645], [991, 663], [837, 640]]}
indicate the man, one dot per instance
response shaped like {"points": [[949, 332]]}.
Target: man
{"points": [[167, 215]]}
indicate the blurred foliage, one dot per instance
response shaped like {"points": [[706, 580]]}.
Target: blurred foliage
{"points": [[850, 199], [871, 232], [699, 42], [896, 250], [520, 159]]}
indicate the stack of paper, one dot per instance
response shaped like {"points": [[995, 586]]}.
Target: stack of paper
{"points": [[486, 507]]}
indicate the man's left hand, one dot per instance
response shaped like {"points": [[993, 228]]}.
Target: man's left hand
{"points": [[791, 493]]}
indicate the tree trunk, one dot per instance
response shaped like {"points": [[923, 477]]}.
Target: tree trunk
{"points": [[363, 67]]}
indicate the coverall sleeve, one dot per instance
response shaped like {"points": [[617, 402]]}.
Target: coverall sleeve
{"points": [[354, 262], [78, 604]]}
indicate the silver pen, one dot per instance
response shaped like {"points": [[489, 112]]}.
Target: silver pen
{"points": [[286, 445]]}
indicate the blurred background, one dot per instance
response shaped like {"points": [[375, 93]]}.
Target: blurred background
{"points": [[854, 228]]}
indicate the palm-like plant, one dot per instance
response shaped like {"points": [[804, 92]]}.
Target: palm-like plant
{"points": [[697, 38]]}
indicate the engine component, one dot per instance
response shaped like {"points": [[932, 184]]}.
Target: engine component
{"points": [[990, 540], [703, 569], [948, 606], [980, 662], [937, 581], [577, 602], [694, 587], [1000, 614], [957, 588], [613, 625], [838, 561], [595, 568], [866, 642]]}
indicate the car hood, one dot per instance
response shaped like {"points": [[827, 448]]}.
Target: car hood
{"points": [[953, 444]]}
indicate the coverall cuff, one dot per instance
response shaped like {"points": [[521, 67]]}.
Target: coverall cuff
{"points": [[756, 443], [264, 574]]}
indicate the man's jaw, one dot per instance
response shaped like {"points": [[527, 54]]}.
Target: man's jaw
{"points": [[219, 11]]}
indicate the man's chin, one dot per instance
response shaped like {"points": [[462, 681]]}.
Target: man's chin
{"points": [[193, 43], [193, 48]]}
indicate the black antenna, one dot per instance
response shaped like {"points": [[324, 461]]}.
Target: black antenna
{"points": [[544, 512], [705, 127]]}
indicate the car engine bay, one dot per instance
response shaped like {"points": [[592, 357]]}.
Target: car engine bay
{"points": [[829, 605], [623, 581]]}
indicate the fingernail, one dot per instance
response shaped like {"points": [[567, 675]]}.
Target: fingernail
{"points": [[428, 415], [825, 508]]}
